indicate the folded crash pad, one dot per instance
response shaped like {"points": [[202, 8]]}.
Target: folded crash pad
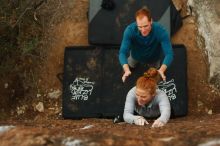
{"points": [[107, 23]]}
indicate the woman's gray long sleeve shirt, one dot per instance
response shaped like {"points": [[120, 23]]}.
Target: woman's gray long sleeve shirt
{"points": [[158, 107]]}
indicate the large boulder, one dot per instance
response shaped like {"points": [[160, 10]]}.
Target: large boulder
{"points": [[207, 13]]}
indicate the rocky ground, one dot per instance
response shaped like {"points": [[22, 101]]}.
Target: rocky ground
{"points": [[187, 131], [68, 27]]}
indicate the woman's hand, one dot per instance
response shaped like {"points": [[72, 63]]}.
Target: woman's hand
{"points": [[158, 123], [140, 121]]}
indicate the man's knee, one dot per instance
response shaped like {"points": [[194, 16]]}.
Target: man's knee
{"points": [[132, 62], [155, 64]]}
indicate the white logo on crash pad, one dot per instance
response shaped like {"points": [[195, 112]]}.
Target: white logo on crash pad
{"points": [[81, 88], [169, 88]]}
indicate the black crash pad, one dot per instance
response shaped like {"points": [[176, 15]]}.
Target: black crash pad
{"points": [[92, 86], [107, 26]]}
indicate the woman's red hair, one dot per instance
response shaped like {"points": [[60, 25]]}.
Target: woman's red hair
{"points": [[149, 80]]}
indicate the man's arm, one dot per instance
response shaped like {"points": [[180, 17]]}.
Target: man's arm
{"points": [[167, 50], [124, 52], [125, 47], [166, 46]]}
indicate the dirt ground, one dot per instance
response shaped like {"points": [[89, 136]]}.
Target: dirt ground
{"points": [[68, 26]]}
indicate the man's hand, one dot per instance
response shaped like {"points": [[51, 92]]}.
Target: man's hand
{"points": [[127, 72], [162, 75], [140, 121], [162, 70], [158, 123], [125, 75]]}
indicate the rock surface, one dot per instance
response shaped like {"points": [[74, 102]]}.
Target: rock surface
{"points": [[208, 18]]}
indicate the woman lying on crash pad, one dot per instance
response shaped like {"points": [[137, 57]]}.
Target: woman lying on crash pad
{"points": [[145, 100]]}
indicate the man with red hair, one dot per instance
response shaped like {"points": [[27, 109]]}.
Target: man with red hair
{"points": [[146, 42]]}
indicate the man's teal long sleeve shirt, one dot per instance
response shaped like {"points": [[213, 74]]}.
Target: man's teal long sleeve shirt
{"points": [[146, 49]]}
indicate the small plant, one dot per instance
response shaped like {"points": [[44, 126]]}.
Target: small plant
{"points": [[29, 46]]}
